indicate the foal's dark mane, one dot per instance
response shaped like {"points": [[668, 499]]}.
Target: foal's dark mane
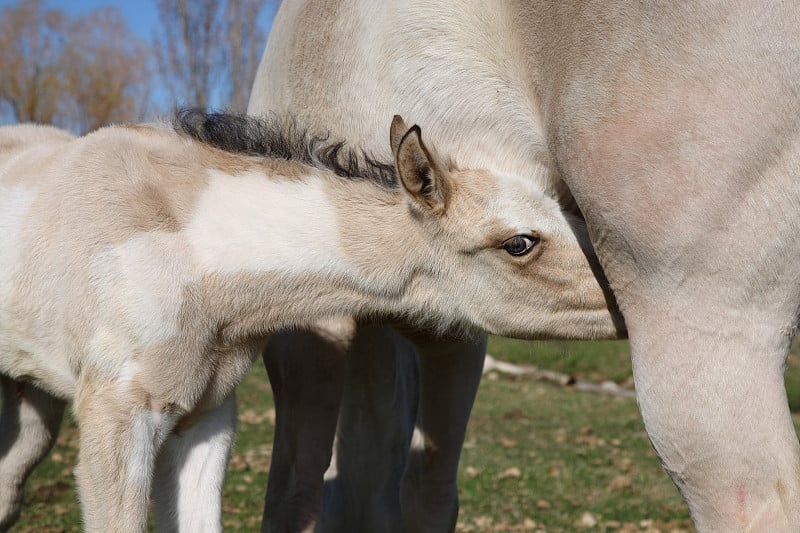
{"points": [[281, 138]]}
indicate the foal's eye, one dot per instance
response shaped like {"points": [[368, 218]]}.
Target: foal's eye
{"points": [[520, 244]]}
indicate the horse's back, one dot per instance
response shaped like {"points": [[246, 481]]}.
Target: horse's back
{"points": [[19, 135], [19, 138]]}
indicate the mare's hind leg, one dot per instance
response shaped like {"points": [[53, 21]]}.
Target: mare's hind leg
{"points": [[306, 371], [190, 472], [29, 425]]}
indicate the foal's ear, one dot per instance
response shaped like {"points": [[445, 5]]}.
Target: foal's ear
{"points": [[397, 131], [421, 174]]}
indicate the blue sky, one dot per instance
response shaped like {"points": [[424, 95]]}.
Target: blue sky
{"points": [[140, 15]]}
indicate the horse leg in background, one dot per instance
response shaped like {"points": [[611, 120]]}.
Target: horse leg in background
{"points": [[190, 472], [371, 475], [376, 423], [716, 412], [306, 371], [29, 425], [450, 372]]}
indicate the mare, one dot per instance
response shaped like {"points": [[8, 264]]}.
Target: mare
{"points": [[674, 128], [145, 267]]}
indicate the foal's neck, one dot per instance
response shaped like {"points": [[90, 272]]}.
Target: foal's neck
{"points": [[280, 251]]}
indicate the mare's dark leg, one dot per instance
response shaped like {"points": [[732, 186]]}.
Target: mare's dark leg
{"points": [[450, 372], [306, 371], [29, 423], [376, 423]]}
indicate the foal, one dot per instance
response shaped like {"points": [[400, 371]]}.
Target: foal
{"points": [[143, 270]]}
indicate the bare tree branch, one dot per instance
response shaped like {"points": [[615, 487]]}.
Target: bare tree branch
{"points": [[190, 48], [246, 40], [30, 38], [75, 73], [208, 50], [116, 87]]}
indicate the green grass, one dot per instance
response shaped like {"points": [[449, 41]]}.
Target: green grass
{"points": [[610, 360], [593, 361], [792, 377], [537, 457], [542, 456]]}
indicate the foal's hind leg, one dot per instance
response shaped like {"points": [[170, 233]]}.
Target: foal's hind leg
{"points": [[29, 425], [190, 472]]}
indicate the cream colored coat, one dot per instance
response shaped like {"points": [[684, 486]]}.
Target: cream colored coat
{"points": [[676, 128]]}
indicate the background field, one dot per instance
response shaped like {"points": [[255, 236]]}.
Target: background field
{"points": [[538, 457]]}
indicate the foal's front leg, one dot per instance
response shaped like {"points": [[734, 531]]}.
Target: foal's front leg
{"points": [[121, 430], [29, 425], [190, 472]]}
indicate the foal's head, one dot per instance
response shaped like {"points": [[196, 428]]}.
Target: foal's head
{"points": [[450, 247], [508, 261]]}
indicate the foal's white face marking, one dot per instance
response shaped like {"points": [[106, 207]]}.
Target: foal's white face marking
{"points": [[247, 222]]}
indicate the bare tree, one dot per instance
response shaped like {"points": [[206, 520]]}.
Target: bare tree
{"points": [[30, 40], [75, 73], [106, 74], [246, 40], [189, 48], [209, 49], [113, 89]]}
